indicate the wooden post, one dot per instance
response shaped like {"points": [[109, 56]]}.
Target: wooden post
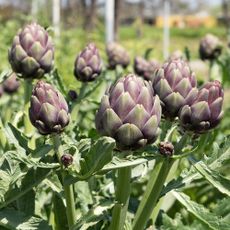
{"points": [[56, 18], [109, 20], [166, 29]]}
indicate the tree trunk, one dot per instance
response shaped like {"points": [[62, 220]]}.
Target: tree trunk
{"points": [[118, 7]]}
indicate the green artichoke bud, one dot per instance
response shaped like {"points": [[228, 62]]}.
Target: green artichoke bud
{"points": [[88, 64], [32, 52], [48, 109], [210, 47], [129, 113], [117, 55], [11, 84], [205, 112], [145, 68], [166, 148], [175, 84]]}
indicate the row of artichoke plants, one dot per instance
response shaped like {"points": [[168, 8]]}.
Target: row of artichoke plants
{"points": [[129, 115]]}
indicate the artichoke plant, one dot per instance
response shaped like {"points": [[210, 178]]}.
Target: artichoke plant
{"points": [[32, 52], [145, 68], [177, 54], [1, 90], [117, 55], [205, 112], [129, 113], [11, 84], [175, 84], [210, 47], [88, 64], [48, 110]]}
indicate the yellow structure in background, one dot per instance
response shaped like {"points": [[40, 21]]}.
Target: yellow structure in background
{"points": [[192, 21]]}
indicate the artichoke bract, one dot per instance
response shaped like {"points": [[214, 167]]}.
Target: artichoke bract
{"points": [[88, 64], [117, 55], [129, 113], [11, 84], [145, 68], [205, 112], [48, 110], [210, 47], [175, 84], [32, 52]]}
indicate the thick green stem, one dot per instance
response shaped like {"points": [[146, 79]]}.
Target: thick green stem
{"points": [[27, 94], [211, 63], [68, 189], [152, 193], [122, 198]]}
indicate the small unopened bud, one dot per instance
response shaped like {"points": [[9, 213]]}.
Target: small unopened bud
{"points": [[72, 95], [166, 148], [66, 159]]}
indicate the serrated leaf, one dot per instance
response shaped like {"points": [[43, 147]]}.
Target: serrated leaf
{"points": [[13, 220], [199, 211], [213, 177]]}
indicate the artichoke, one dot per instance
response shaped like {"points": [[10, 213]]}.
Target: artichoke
{"points": [[210, 47], [129, 113], [145, 68], [88, 64], [175, 84], [205, 112], [117, 55], [32, 52], [177, 54], [11, 84], [48, 110]]}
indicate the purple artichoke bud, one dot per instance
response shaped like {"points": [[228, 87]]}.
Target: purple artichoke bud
{"points": [[210, 47], [88, 64], [117, 55], [72, 95], [32, 52], [145, 68], [129, 113], [205, 112], [175, 84], [66, 159], [166, 148], [177, 54], [11, 84], [48, 109], [1, 90]]}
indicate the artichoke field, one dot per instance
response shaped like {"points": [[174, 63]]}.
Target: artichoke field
{"points": [[133, 143]]}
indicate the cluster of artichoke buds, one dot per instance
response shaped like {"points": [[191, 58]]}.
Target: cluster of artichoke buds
{"points": [[11, 84], [205, 112], [145, 68], [32, 52], [130, 113], [48, 110], [175, 84], [210, 47], [117, 55], [88, 64]]}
